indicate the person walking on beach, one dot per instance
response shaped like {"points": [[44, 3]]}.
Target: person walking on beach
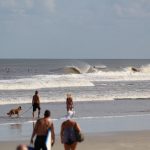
{"points": [[36, 103], [41, 130], [67, 134], [69, 103]]}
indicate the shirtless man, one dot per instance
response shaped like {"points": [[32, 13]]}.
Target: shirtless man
{"points": [[69, 103], [41, 129], [36, 103]]}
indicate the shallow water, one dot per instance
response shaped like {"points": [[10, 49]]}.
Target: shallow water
{"points": [[23, 130], [93, 117]]}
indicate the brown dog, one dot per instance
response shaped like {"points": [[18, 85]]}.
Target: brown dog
{"points": [[14, 111]]}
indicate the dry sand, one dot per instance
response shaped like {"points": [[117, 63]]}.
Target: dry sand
{"points": [[133, 140]]}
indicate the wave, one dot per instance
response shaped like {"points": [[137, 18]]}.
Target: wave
{"points": [[141, 69], [84, 68], [77, 70], [43, 81], [89, 97], [80, 67], [74, 80], [134, 98]]}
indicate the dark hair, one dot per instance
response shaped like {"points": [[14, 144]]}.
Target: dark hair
{"points": [[36, 92], [47, 113]]}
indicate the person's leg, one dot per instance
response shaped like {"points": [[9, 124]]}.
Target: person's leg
{"points": [[39, 111], [33, 114], [67, 147], [67, 108], [44, 147], [37, 144], [34, 109], [73, 146]]}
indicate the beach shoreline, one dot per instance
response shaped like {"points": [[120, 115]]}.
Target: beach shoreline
{"points": [[113, 125], [133, 140]]}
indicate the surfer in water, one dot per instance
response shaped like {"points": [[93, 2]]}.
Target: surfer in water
{"points": [[69, 103]]}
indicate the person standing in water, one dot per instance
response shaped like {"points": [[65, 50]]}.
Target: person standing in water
{"points": [[36, 103], [69, 103]]}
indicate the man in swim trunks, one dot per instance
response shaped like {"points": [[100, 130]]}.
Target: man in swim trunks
{"points": [[41, 130], [36, 103]]}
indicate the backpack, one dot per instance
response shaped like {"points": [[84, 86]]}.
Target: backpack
{"points": [[69, 135]]}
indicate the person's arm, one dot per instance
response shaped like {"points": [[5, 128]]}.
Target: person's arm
{"points": [[77, 127], [67, 101], [72, 103], [38, 98], [52, 134], [61, 134], [32, 100], [34, 132]]}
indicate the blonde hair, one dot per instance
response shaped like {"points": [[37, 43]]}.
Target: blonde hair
{"points": [[68, 95]]}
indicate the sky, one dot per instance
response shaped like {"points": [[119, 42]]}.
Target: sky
{"points": [[94, 29]]}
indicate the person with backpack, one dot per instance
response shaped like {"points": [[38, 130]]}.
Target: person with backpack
{"points": [[67, 134]]}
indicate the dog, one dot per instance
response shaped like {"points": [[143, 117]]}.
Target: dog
{"points": [[14, 111]]}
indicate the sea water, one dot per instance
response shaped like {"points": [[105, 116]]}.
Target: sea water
{"points": [[108, 94], [86, 80]]}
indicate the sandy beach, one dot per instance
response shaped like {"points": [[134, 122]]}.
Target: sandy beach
{"points": [[135, 140]]}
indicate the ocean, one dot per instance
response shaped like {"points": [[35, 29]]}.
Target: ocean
{"points": [[86, 80], [109, 95]]}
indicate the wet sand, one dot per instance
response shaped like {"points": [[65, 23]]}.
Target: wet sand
{"points": [[114, 125], [133, 140]]}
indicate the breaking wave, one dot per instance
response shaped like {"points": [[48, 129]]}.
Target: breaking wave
{"points": [[83, 76]]}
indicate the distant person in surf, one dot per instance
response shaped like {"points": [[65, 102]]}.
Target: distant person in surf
{"points": [[69, 103], [36, 104]]}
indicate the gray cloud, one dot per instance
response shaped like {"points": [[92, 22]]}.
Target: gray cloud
{"points": [[17, 6], [134, 8]]}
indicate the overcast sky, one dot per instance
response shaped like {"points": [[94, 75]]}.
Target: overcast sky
{"points": [[75, 29]]}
